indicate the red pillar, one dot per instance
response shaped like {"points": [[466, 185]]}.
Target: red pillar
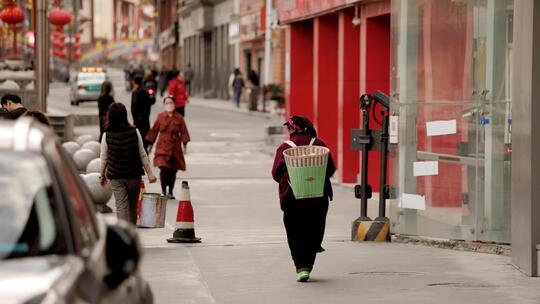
{"points": [[348, 95], [377, 77], [299, 69], [325, 79]]}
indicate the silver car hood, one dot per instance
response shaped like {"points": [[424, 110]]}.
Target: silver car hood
{"points": [[27, 278]]}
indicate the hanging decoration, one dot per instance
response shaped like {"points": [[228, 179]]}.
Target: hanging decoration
{"points": [[59, 18], [12, 14]]}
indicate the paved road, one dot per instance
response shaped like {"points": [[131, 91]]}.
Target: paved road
{"points": [[243, 257], [59, 103]]}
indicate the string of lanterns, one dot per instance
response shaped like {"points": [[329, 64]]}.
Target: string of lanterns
{"points": [[12, 14]]}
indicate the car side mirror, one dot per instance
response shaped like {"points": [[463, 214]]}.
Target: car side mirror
{"points": [[122, 252]]}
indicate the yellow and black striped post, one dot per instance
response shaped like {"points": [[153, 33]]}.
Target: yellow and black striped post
{"points": [[367, 230]]}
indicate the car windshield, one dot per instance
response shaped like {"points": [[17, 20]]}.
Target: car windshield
{"points": [[98, 77], [27, 207]]}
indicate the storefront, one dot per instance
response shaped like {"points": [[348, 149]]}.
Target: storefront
{"points": [[447, 66], [336, 51], [451, 64]]}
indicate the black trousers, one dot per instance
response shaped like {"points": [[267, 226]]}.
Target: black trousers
{"points": [[167, 178], [305, 222]]}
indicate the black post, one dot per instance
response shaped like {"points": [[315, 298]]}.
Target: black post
{"points": [[364, 175], [384, 159]]}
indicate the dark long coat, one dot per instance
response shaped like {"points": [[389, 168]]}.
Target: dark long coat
{"points": [[173, 132]]}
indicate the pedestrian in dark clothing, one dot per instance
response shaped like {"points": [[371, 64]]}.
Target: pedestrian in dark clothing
{"points": [[254, 84], [304, 219], [104, 102], [140, 107], [13, 104], [237, 86], [4, 114], [188, 77], [123, 159], [162, 81], [177, 90], [171, 146], [39, 116], [128, 70]]}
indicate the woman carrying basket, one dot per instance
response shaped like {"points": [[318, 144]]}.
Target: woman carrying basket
{"points": [[304, 219]]}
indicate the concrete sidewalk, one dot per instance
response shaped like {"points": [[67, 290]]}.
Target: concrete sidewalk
{"points": [[227, 105], [244, 257]]}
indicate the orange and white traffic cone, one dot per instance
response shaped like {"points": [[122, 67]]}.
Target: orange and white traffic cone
{"points": [[139, 202], [185, 226]]}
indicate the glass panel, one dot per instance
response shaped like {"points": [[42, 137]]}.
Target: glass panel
{"points": [[451, 62], [450, 193], [493, 40]]}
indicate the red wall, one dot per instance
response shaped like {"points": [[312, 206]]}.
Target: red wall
{"points": [[377, 78], [300, 87], [348, 95], [326, 79], [443, 75]]}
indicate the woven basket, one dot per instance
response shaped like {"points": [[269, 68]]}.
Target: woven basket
{"points": [[306, 166]]}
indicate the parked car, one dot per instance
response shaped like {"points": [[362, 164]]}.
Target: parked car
{"points": [[54, 246], [87, 85]]}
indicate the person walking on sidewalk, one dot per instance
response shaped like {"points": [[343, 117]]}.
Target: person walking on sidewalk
{"points": [[122, 161], [177, 90], [188, 76], [254, 90], [237, 87], [304, 219], [104, 102], [141, 104], [171, 146]]}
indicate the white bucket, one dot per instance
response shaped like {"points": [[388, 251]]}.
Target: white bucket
{"points": [[153, 210]]}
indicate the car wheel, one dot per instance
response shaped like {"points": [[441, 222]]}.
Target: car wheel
{"points": [[75, 103]]}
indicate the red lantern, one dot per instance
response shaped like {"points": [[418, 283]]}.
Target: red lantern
{"points": [[77, 54], [59, 17], [12, 15], [77, 37]]}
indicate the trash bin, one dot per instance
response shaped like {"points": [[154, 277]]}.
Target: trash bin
{"points": [[153, 210]]}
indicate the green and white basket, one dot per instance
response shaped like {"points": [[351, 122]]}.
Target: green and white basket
{"points": [[306, 166]]}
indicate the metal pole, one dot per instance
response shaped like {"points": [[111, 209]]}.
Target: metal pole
{"points": [[268, 44], [384, 159], [42, 57], [364, 174]]}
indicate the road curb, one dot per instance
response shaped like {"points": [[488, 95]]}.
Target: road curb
{"points": [[491, 248]]}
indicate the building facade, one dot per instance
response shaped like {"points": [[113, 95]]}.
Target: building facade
{"points": [[168, 34], [447, 66], [204, 42], [252, 28]]}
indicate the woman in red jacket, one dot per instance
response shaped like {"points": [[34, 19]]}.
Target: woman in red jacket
{"points": [[171, 146], [304, 219], [177, 89]]}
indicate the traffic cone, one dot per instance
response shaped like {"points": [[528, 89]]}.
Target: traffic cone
{"points": [[185, 227], [139, 202]]}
